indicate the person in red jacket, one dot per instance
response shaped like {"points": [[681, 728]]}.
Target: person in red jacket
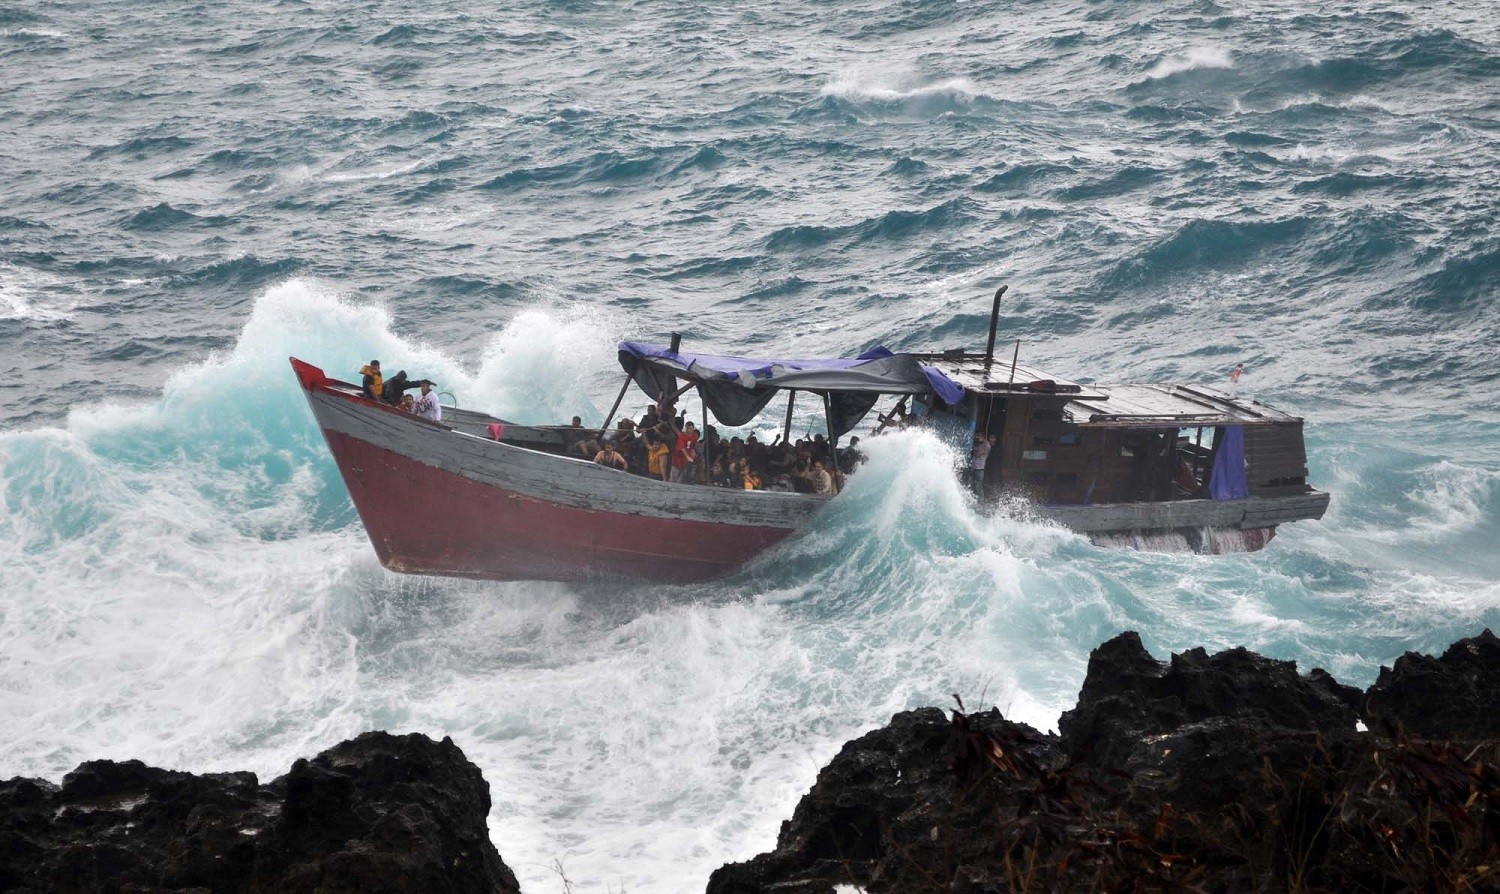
{"points": [[685, 455]]}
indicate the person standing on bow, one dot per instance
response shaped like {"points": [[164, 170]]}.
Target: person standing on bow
{"points": [[373, 384]]}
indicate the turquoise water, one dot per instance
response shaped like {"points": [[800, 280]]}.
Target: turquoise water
{"points": [[188, 195]]}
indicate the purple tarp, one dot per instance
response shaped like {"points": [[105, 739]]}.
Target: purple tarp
{"points": [[876, 370], [1227, 480]]}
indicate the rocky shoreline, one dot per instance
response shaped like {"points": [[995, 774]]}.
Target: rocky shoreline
{"points": [[375, 813], [1225, 772]]}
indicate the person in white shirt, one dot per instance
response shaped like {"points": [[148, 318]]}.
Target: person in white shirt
{"points": [[427, 405], [822, 482]]}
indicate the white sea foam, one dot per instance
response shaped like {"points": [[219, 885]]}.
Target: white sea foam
{"points": [[1445, 503], [1453, 498], [296, 175], [378, 173], [34, 295], [544, 365], [894, 84], [34, 32], [1191, 59]]}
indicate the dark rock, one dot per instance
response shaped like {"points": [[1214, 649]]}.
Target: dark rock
{"points": [[1197, 730], [1456, 696], [885, 807], [1226, 772], [1130, 698], [377, 813]]}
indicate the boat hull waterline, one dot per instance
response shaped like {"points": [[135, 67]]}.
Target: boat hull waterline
{"points": [[438, 501]]}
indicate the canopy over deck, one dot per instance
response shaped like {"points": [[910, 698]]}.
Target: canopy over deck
{"points": [[738, 388], [878, 370]]}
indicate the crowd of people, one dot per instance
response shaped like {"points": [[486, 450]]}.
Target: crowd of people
{"points": [[665, 445], [393, 391], [669, 447]]}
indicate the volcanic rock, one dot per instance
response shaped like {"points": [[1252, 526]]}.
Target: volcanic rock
{"points": [[888, 803], [377, 813], [1129, 699], [1225, 772], [1197, 730], [1456, 696]]}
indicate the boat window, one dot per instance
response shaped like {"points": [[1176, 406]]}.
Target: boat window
{"points": [[1041, 440], [1034, 455], [1070, 438]]}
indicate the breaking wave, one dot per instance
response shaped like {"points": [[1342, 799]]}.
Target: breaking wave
{"points": [[1192, 60], [886, 85]]}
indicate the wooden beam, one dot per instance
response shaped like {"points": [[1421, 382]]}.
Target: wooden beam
{"points": [[603, 429]]}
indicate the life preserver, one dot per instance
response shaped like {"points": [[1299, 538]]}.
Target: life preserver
{"points": [[377, 382]]}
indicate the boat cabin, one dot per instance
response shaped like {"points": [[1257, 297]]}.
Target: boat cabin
{"points": [[1061, 443]]}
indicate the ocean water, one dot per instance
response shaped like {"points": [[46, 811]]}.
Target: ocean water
{"points": [[490, 197]]}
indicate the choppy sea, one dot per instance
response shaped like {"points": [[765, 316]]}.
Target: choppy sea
{"points": [[492, 195]]}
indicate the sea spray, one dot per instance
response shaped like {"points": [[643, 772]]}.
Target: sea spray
{"points": [[1191, 60]]}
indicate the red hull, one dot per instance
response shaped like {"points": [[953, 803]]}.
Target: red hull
{"points": [[424, 520]]}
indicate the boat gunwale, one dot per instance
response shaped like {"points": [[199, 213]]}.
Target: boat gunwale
{"points": [[804, 505]]}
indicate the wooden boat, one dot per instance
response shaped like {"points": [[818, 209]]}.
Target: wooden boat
{"points": [[1115, 462]]}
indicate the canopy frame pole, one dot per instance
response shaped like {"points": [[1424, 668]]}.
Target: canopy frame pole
{"points": [[1013, 358], [833, 439], [786, 430], [989, 349], [683, 390], [703, 439], [669, 397], [603, 429], [887, 419]]}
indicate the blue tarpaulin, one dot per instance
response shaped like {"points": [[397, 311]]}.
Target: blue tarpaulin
{"points": [[876, 370], [1227, 480]]}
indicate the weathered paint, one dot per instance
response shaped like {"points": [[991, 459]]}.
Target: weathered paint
{"points": [[426, 520], [437, 501]]}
